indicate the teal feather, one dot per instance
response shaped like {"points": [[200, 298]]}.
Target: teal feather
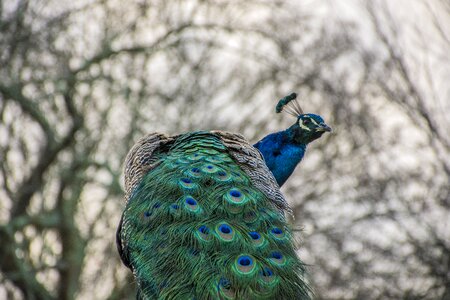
{"points": [[196, 227]]}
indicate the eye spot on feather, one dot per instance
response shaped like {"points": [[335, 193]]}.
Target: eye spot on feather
{"points": [[277, 233], [186, 183], [203, 229], [190, 201], [245, 265], [266, 272], [254, 235], [225, 232], [225, 229], [235, 200], [245, 261], [223, 282], [267, 276], [203, 233], [209, 169], [235, 196], [195, 172], [191, 204], [148, 215], [277, 258], [277, 255], [223, 176], [225, 289], [257, 239]]}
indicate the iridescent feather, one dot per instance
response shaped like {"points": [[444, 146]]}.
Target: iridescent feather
{"points": [[205, 218]]}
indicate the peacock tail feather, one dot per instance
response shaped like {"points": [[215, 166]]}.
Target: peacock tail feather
{"points": [[204, 219]]}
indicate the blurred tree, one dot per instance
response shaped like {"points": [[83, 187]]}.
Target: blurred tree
{"points": [[80, 82], [379, 227]]}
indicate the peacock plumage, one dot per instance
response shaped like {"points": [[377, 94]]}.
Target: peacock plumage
{"points": [[204, 216]]}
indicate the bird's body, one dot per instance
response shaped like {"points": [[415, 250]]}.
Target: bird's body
{"points": [[281, 156], [205, 217]]}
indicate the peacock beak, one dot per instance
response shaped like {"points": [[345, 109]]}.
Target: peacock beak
{"points": [[323, 127]]}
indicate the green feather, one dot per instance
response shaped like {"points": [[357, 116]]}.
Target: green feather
{"points": [[284, 101], [196, 228]]}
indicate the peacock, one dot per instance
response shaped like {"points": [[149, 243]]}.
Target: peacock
{"points": [[204, 215]]}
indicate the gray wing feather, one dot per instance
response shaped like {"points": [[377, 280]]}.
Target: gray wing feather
{"points": [[140, 159]]}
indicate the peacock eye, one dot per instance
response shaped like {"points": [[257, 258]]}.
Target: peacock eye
{"points": [[306, 121]]}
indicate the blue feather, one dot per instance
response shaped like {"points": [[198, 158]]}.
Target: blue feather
{"points": [[281, 154]]}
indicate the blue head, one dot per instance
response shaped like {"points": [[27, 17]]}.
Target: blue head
{"points": [[283, 150], [309, 127]]}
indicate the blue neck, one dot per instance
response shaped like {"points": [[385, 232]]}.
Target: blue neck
{"points": [[281, 154]]}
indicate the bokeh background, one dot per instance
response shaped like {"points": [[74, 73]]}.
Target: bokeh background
{"points": [[81, 81]]}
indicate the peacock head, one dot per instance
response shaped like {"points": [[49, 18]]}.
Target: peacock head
{"points": [[308, 127]]}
